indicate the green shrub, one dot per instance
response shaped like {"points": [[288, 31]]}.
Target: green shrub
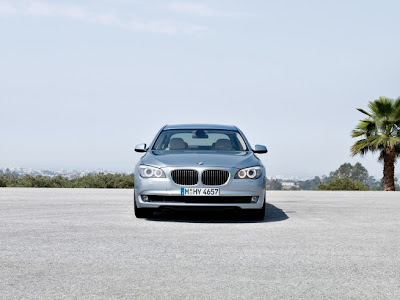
{"points": [[3, 182], [342, 184], [101, 180]]}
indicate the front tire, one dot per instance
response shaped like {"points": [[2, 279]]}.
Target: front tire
{"points": [[257, 214], [141, 213]]}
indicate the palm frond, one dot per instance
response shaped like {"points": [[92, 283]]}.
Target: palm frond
{"points": [[364, 112], [396, 108], [377, 140], [364, 127], [393, 141], [356, 133], [362, 147], [368, 125], [381, 108], [381, 156]]}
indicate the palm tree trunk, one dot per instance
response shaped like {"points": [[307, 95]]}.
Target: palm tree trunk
{"points": [[388, 169]]}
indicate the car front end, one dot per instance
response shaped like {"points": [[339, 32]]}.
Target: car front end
{"points": [[198, 176]]}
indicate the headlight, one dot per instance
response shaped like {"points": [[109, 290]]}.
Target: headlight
{"points": [[151, 172], [249, 173]]}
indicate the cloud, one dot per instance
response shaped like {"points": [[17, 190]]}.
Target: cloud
{"points": [[201, 10], [84, 14]]}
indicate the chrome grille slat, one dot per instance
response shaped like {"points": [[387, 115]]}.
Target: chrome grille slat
{"points": [[214, 177], [185, 177]]}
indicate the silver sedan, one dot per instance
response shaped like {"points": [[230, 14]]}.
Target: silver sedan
{"points": [[199, 166]]}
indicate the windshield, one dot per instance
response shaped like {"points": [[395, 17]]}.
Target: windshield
{"points": [[200, 139]]}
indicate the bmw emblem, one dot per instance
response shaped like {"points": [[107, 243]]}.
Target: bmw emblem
{"points": [[200, 163]]}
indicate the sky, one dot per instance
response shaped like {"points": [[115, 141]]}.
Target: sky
{"points": [[83, 82]]}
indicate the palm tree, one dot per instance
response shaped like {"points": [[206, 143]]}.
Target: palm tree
{"points": [[380, 132]]}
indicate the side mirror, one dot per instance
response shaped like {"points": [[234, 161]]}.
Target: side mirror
{"points": [[140, 148], [260, 149]]}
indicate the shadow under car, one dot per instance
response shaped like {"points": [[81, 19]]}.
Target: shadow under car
{"points": [[216, 215]]}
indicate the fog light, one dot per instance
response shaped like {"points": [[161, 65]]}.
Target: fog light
{"points": [[254, 199], [145, 198]]}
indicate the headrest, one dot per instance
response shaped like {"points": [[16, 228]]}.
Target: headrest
{"points": [[176, 144], [223, 144]]}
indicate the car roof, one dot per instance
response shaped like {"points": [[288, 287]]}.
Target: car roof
{"points": [[201, 126]]}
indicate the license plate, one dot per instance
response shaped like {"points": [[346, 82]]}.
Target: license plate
{"points": [[199, 192]]}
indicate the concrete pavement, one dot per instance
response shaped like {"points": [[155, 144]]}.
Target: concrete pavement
{"points": [[87, 244]]}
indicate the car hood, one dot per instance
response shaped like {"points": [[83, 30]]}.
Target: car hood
{"points": [[224, 159]]}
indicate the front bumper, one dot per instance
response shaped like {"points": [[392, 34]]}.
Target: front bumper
{"points": [[164, 192]]}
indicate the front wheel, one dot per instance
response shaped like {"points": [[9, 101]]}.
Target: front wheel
{"points": [[141, 213], [257, 214]]}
